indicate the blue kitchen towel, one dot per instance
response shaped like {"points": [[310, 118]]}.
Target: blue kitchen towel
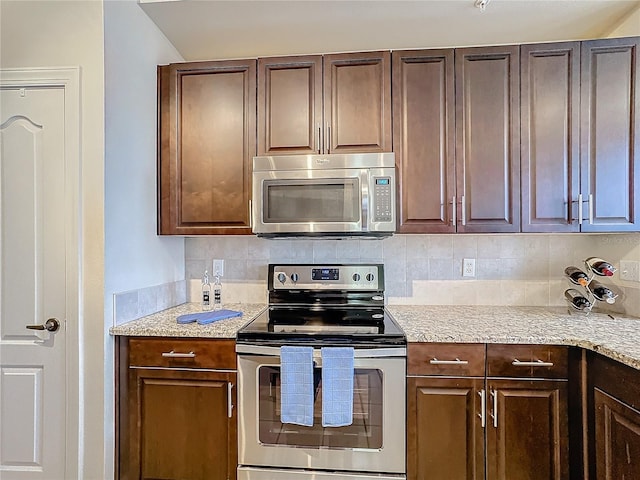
{"points": [[337, 386], [296, 385], [204, 318]]}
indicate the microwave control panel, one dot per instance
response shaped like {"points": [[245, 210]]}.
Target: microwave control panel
{"points": [[382, 199]]}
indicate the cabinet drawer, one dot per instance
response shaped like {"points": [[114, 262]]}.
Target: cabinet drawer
{"points": [[185, 353], [527, 361], [450, 359], [614, 378]]}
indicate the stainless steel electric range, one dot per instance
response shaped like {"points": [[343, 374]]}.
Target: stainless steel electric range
{"points": [[323, 306]]}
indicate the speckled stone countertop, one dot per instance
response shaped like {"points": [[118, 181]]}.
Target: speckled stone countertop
{"points": [[164, 324], [617, 338]]}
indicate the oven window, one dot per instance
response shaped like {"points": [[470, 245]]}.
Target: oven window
{"points": [[364, 432], [312, 201]]}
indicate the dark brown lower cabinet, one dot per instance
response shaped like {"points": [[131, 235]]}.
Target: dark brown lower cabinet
{"points": [[615, 419], [446, 438], [176, 417], [506, 418], [617, 439], [184, 428], [527, 431]]}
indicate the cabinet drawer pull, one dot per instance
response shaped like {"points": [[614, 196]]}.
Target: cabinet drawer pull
{"points": [[457, 361], [174, 354], [229, 400], [537, 363], [483, 407]]}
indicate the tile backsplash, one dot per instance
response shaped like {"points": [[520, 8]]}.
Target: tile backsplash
{"points": [[145, 301], [427, 269]]}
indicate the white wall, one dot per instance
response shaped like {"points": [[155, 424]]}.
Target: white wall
{"points": [[63, 34], [135, 257], [629, 27]]}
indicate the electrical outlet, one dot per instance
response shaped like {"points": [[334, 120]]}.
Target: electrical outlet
{"points": [[218, 267], [469, 267], [630, 270]]}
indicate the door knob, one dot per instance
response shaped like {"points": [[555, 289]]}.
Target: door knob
{"points": [[51, 325]]}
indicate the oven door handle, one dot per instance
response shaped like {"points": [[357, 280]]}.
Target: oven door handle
{"points": [[358, 352]]}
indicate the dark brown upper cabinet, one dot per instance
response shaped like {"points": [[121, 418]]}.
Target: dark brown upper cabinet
{"points": [[424, 139], [290, 105], [488, 138], [207, 113], [457, 138], [580, 136], [324, 104], [550, 137], [610, 135]]}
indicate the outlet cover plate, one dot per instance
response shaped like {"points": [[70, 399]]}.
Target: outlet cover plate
{"points": [[218, 267], [469, 267], [630, 270]]}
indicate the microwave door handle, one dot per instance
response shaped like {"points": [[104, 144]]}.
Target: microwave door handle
{"points": [[364, 189]]}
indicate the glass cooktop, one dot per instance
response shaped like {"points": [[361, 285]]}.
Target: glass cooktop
{"points": [[325, 325]]}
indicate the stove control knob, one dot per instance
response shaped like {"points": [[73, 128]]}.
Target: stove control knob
{"points": [[370, 277], [356, 277], [294, 277], [282, 278]]}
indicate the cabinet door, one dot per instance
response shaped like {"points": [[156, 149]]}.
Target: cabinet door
{"points": [[182, 425], [290, 105], [550, 136], [610, 134], [206, 146], [357, 102], [488, 138], [445, 438], [527, 430], [617, 438], [424, 140]]}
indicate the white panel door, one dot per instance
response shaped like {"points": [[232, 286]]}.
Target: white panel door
{"points": [[32, 283]]}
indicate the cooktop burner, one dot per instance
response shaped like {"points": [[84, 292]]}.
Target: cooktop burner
{"points": [[324, 305]]}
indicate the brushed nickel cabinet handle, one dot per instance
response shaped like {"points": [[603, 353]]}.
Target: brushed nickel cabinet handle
{"points": [[580, 213], [319, 139], [536, 363], [454, 211], [483, 407], [250, 215], [591, 209], [464, 211], [174, 354], [457, 361], [327, 147], [229, 400], [494, 413]]}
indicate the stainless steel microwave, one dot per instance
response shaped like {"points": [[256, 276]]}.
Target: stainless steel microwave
{"points": [[324, 195]]}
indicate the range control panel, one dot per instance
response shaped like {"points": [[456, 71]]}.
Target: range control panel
{"points": [[326, 277], [382, 194]]}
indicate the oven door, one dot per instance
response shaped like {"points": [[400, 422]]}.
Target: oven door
{"points": [[375, 442]]}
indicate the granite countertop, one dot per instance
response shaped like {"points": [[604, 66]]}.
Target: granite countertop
{"points": [[617, 338], [163, 324]]}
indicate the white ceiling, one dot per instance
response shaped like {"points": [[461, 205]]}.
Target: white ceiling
{"points": [[213, 29]]}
